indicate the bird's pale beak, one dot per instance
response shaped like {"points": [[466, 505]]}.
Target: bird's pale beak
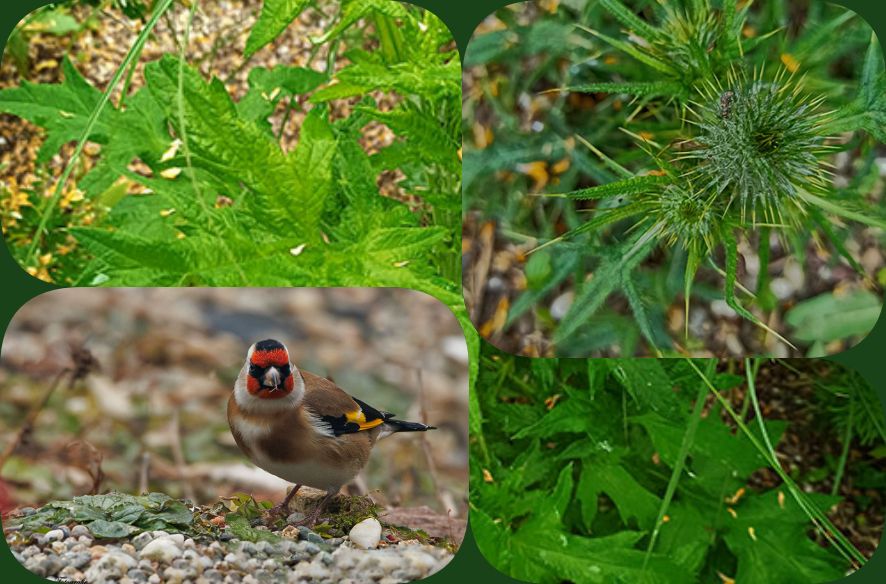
{"points": [[271, 378]]}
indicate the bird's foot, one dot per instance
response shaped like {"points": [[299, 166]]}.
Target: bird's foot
{"points": [[312, 518]]}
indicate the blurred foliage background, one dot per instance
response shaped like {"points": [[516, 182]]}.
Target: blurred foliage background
{"points": [[150, 415]]}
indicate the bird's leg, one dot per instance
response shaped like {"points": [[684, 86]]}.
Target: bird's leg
{"points": [[283, 507], [311, 519]]}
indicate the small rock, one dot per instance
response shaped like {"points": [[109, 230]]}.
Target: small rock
{"points": [[30, 551], [79, 530], [141, 540], [720, 308], [59, 547], [264, 547], [174, 575], [137, 575], [44, 564], [26, 511], [561, 304], [295, 518], [77, 559], [162, 549], [113, 565], [54, 535], [308, 535], [98, 551], [178, 538], [366, 534], [247, 547]]}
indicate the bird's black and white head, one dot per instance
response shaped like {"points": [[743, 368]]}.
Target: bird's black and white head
{"points": [[268, 380]]}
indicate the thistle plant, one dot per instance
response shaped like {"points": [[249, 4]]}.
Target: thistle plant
{"points": [[727, 147], [760, 144]]}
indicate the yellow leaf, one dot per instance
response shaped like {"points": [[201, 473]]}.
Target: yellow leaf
{"points": [[790, 62]]}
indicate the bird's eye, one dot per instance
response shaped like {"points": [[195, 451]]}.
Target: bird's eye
{"points": [[285, 371], [255, 370]]}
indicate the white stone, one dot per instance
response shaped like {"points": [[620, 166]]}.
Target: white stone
{"points": [[366, 534], [162, 549], [54, 535], [561, 304]]}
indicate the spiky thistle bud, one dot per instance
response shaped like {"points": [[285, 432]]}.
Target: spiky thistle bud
{"points": [[758, 142]]}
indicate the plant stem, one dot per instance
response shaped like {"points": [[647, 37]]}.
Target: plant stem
{"points": [[133, 53], [688, 440], [847, 439], [822, 524]]}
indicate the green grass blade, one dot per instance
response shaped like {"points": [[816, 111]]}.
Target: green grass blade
{"points": [[131, 55], [602, 219], [816, 515], [631, 50], [677, 472], [844, 454]]}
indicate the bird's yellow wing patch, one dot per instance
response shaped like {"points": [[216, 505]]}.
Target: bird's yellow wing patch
{"points": [[359, 418]]}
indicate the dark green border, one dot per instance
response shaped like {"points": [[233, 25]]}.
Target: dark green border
{"points": [[462, 16]]}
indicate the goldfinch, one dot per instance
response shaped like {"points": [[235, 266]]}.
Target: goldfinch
{"points": [[302, 427]]}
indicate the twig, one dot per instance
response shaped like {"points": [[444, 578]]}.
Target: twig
{"points": [[179, 456], [143, 473], [83, 363], [32, 417]]}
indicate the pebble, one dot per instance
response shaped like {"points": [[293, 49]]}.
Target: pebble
{"points": [[142, 539], [366, 534], [26, 511], [295, 518], [159, 557], [81, 530], [54, 535], [161, 549], [113, 565], [308, 535]]}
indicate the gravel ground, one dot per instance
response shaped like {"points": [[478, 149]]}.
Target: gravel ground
{"points": [[72, 553]]}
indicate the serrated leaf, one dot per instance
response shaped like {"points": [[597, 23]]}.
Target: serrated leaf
{"points": [[275, 17]]}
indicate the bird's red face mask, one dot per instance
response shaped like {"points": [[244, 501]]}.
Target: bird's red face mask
{"points": [[270, 375]]}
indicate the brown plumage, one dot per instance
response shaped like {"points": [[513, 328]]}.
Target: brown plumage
{"points": [[303, 427]]}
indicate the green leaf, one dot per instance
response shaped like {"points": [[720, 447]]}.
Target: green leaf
{"points": [[627, 17], [275, 17], [638, 185], [637, 88], [829, 317], [606, 475], [769, 537], [649, 385], [239, 526], [110, 529], [421, 78], [63, 109], [591, 296], [354, 10]]}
